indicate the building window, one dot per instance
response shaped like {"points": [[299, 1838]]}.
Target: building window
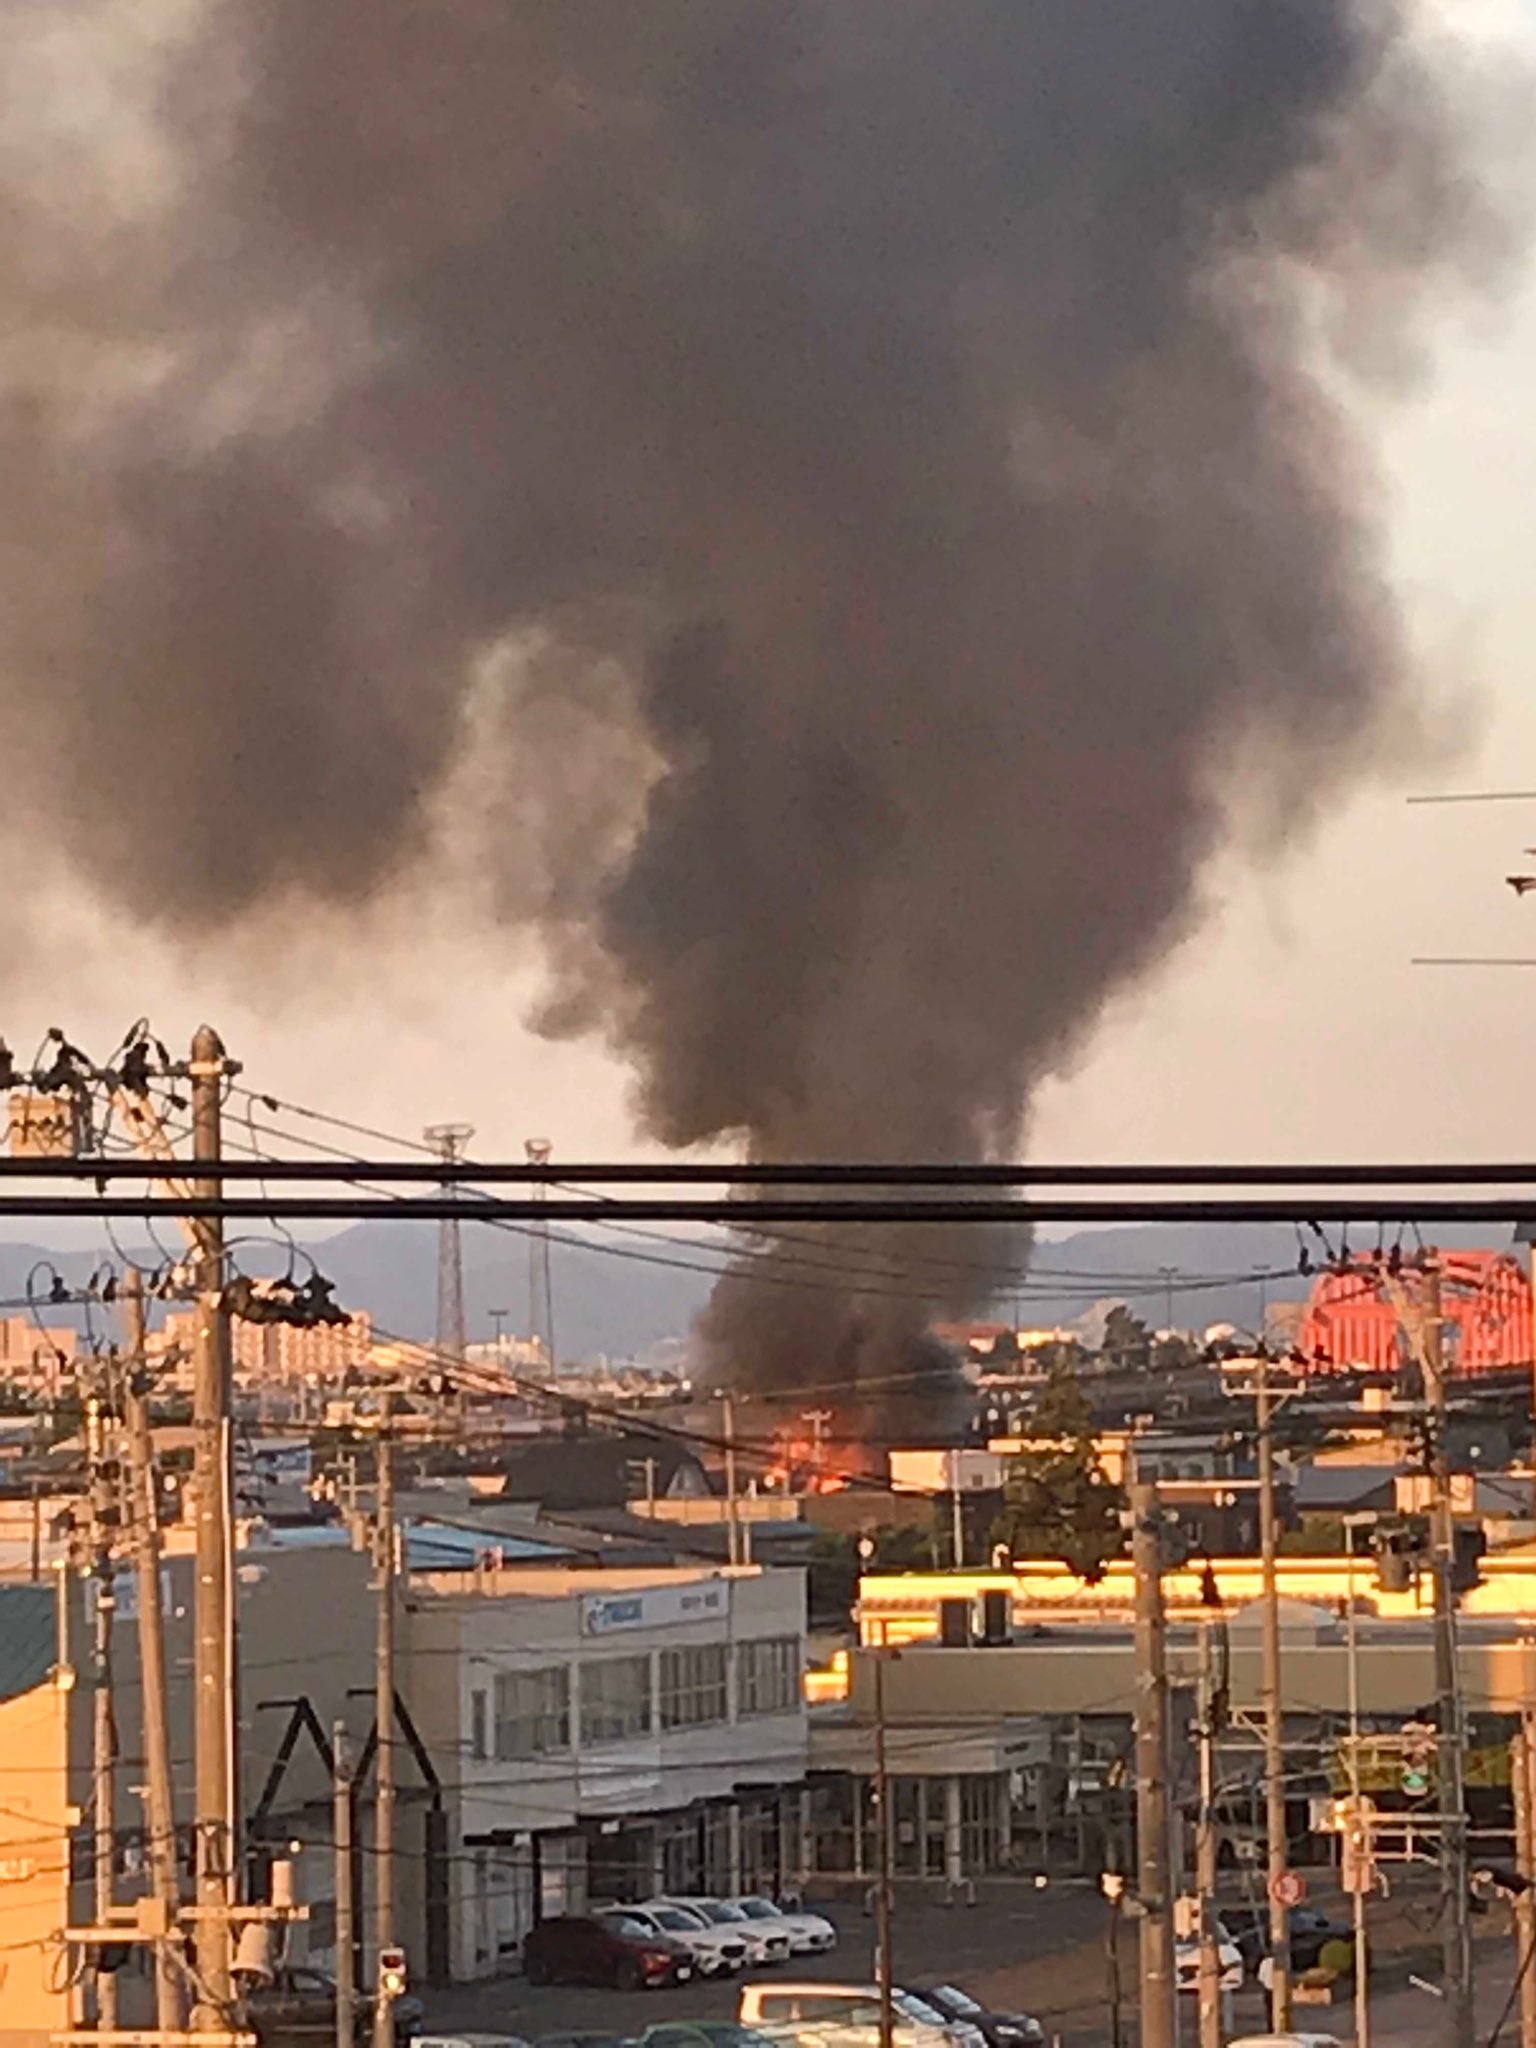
{"points": [[533, 1712], [693, 1686], [479, 1720], [768, 1675], [615, 1698]]}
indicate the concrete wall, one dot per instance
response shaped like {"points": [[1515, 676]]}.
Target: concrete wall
{"points": [[1096, 1675], [35, 1819]]}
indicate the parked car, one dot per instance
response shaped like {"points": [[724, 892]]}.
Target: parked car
{"points": [[997, 2029], [604, 1948], [1311, 1928], [837, 2016], [1285, 2041], [470, 2041], [1186, 1964], [767, 1940], [1311, 1931], [810, 1934], [586, 2037], [297, 2009], [962, 2033], [715, 1949], [701, 2034]]}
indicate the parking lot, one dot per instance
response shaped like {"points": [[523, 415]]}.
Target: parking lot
{"points": [[1013, 1938], [1017, 1949]]}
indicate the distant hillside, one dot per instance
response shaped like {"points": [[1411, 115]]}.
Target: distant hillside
{"points": [[621, 1295]]}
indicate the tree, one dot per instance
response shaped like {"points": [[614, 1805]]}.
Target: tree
{"points": [[1127, 1339], [1058, 1501]]}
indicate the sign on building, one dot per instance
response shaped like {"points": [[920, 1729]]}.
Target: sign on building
{"points": [[603, 1614]]}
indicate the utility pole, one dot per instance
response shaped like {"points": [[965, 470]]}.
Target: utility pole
{"points": [[956, 1511], [884, 1969], [384, 1721], [1455, 1911], [1205, 1849], [1154, 1882], [213, 1665], [103, 1759], [732, 1504], [1273, 1708], [346, 1910], [818, 1418], [1522, 1778], [1360, 1846], [144, 1526]]}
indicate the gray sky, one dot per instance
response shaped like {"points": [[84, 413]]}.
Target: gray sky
{"points": [[1294, 1025]]}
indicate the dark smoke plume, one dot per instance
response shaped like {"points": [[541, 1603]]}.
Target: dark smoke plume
{"points": [[860, 474]]}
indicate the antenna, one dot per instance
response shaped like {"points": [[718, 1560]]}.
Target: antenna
{"points": [[1479, 796]]}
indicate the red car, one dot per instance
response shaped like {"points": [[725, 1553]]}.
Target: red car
{"points": [[606, 1948]]}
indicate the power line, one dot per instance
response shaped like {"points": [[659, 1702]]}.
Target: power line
{"points": [[739, 1266], [872, 1175], [1025, 1212]]}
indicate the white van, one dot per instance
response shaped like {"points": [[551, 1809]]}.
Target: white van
{"points": [[838, 2016]]}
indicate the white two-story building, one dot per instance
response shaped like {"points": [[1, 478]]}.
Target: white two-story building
{"points": [[605, 1734]]}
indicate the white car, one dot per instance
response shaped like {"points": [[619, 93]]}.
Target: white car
{"points": [[1285, 2041], [835, 2016], [962, 2033], [768, 1941], [1186, 1965], [715, 1949], [810, 1934]]}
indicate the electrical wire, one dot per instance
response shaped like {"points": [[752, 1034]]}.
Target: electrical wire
{"points": [[739, 1270], [1027, 1273]]}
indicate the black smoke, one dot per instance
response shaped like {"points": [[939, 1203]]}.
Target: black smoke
{"points": [[864, 478]]}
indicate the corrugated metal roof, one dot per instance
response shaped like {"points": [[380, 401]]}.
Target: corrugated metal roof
{"points": [[29, 1638], [433, 1546]]}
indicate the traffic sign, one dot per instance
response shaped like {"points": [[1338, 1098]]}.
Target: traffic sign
{"points": [[1288, 1888]]}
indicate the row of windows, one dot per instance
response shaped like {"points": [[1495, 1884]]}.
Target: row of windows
{"points": [[530, 1713]]}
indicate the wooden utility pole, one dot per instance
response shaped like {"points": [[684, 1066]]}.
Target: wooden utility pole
{"points": [[732, 1503], [884, 1969], [1455, 1906], [217, 1832], [144, 1535], [1358, 1848], [346, 1909], [103, 1763], [1205, 1849], [1154, 1882], [1522, 1776], [1275, 1828], [384, 1719]]}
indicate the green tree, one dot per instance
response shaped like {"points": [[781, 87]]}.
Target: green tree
{"points": [[1058, 1501]]}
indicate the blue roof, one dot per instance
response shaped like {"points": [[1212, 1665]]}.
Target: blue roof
{"points": [[453, 1546], [29, 1638], [430, 1546]]}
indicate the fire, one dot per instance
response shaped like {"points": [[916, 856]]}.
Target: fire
{"points": [[825, 1451]]}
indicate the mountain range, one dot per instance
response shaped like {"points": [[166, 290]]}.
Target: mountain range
{"points": [[621, 1295]]}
